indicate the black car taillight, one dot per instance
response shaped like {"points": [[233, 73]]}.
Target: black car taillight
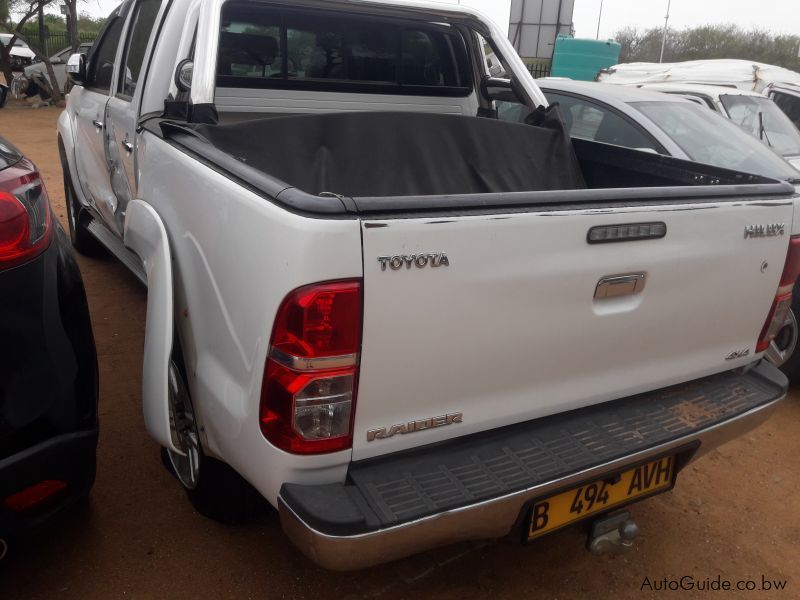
{"points": [[25, 222]]}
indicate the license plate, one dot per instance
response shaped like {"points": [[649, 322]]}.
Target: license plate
{"points": [[581, 502]]}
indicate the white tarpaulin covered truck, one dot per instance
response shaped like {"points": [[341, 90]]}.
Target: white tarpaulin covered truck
{"points": [[779, 84]]}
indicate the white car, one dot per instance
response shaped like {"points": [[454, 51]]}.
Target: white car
{"points": [[753, 112], [401, 321], [719, 80], [21, 54]]}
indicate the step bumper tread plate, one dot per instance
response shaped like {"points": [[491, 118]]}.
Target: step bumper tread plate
{"points": [[478, 486]]}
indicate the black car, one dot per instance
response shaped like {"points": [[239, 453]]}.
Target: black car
{"points": [[48, 362]]}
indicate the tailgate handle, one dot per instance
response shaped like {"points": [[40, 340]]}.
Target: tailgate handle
{"points": [[620, 285]]}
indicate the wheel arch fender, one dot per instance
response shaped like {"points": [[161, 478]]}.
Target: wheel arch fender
{"points": [[146, 235], [66, 150]]}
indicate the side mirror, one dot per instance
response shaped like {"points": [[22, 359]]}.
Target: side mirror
{"points": [[183, 75], [56, 60], [76, 69], [504, 90], [3, 95]]}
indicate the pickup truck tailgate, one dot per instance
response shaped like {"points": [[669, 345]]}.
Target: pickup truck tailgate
{"points": [[516, 323]]}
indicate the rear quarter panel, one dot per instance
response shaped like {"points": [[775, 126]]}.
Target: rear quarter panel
{"points": [[235, 257]]}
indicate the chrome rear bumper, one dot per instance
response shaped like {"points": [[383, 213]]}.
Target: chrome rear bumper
{"points": [[498, 516]]}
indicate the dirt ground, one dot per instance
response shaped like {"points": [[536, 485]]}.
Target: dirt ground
{"points": [[734, 514]]}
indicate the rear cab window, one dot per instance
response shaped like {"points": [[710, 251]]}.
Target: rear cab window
{"points": [[261, 47]]}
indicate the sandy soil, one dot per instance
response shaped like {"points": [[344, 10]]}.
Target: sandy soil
{"points": [[733, 514]]}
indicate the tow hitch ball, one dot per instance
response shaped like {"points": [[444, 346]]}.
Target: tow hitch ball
{"points": [[612, 533]]}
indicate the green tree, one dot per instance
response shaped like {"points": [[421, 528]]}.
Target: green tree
{"points": [[28, 11], [708, 42]]}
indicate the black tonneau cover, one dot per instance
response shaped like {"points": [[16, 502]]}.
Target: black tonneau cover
{"points": [[408, 164], [402, 153]]}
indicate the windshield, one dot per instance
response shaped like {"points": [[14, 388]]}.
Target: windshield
{"points": [[708, 138], [762, 118], [4, 39]]}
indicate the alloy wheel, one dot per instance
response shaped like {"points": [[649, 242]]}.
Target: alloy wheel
{"points": [[785, 343], [184, 431]]}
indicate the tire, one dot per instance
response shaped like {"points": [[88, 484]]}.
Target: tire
{"points": [[83, 241], [214, 489], [784, 351]]}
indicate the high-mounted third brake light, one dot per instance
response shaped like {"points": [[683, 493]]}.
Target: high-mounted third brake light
{"points": [[25, 226], [309, 388], [783, 299]]}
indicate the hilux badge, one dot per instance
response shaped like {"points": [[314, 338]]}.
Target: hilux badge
{"points": [[760, 231]]}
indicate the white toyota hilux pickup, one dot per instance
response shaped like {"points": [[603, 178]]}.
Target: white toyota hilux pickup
{"points": [[400, 320]]}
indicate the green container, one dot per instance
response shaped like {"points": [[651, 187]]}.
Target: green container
{"points": [[582, 59]]}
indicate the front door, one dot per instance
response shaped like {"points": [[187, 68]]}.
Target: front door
{"points": [[90, 103]]}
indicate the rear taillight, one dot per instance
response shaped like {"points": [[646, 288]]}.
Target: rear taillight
{"points": [[783, 299], [309, 390], [35, 496], [25, 226]]}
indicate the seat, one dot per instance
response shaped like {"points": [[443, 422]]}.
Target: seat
{"points": [[246, 49]]}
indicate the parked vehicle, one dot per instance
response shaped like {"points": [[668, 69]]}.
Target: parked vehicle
{"points": [[21, 55], [787, 97], [745, 75], [755, 113], [673, 126], [35, 80], [48, 374], [402, 324], [712, 81]]}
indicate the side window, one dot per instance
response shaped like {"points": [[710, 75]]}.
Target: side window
{"points": [[64, 55], [142, 23], [697, 99], [598, 123], [491, 61], [102, 55], [788, 104]]}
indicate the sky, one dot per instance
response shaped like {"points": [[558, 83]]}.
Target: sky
{"points": [[779, 16]]}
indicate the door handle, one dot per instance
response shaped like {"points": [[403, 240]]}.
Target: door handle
{"points": [[620, 285], [128, 146], [98, 124]]}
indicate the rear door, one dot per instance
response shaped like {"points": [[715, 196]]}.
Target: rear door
{"points": [[123, 107], [90, 108], [525, 318]]}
